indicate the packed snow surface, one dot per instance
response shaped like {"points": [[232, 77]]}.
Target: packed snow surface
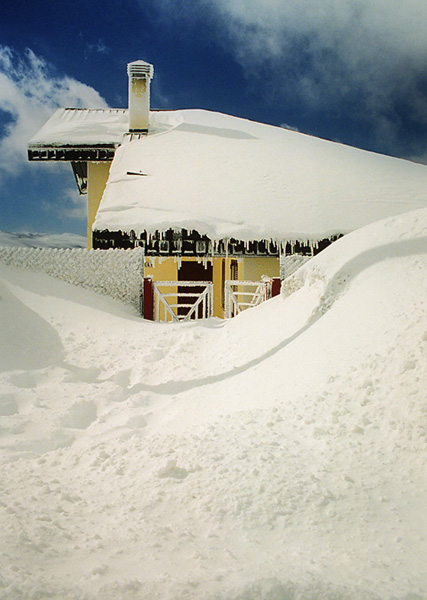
{"points": [[280, 455], [230, 177]]}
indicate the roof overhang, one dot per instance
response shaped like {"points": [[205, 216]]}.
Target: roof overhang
{"points": [[185, 243], [101, 152], [80, 134]]}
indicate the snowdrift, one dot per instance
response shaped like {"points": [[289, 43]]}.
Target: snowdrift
{"points": [[278, 455]]}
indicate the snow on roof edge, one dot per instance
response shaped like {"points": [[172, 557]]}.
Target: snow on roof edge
{"points": [[287, 238], [228, 177]]}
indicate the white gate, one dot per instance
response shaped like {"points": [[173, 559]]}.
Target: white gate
{"points": [[240, 295], [171, 303]]}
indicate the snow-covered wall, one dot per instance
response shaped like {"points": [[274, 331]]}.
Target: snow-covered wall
{"points": [[290, 264], [115, 273]]}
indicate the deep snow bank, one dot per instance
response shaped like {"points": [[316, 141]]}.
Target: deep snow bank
{"points": [[280, 455]]}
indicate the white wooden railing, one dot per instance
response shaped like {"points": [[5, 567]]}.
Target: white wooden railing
{"points": [[173, 304], [240, 295]]}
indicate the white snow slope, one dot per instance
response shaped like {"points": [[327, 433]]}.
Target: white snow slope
{"points": [[280, 455], [41, 240]]}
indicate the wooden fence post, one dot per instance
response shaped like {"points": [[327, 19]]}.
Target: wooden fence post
{"points": [[148, 300], [275, 286]]}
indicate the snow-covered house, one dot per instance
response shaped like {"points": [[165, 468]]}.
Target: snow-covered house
{"points": [[214, 197]]}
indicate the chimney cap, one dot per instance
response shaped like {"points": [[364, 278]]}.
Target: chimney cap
{"points": [[140, 68]]}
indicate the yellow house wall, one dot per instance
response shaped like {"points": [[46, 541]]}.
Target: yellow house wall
{"points": [[97, 175], [254, 267], [161, 269], [217, 276], [218, 281]]}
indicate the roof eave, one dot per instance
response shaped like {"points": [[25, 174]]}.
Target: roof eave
{"points": [[68, 152]]}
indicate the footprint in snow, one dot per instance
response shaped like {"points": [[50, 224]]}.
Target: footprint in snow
{"points": [[172, 470], [80, 415]]}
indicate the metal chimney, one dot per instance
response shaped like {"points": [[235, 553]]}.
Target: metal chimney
{"points": [[140, 74]]}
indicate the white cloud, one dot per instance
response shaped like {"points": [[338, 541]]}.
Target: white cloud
{"points": [[98, 48], [70, 205], [29, 93], [366, 57]]}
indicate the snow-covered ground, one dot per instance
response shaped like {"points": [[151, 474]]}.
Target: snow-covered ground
{"points": [[281, 455], [41, 240]]}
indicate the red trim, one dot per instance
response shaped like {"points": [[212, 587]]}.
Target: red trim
{"points": [[148, 299], [275, 286]]}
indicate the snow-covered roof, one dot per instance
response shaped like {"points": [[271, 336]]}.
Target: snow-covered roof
{"points": [[229, 177], [82, 127]]}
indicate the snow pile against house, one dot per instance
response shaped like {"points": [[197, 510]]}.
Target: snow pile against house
{"points": [[281, 454], [231, 178]]}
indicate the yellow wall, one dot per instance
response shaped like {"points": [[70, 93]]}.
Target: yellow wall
{"points": [[222, 266], [161, 269], [97, 175], [254, 267], [216, 276]]}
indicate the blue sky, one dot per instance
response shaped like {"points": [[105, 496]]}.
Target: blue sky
{"points": [[354, 71]]}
